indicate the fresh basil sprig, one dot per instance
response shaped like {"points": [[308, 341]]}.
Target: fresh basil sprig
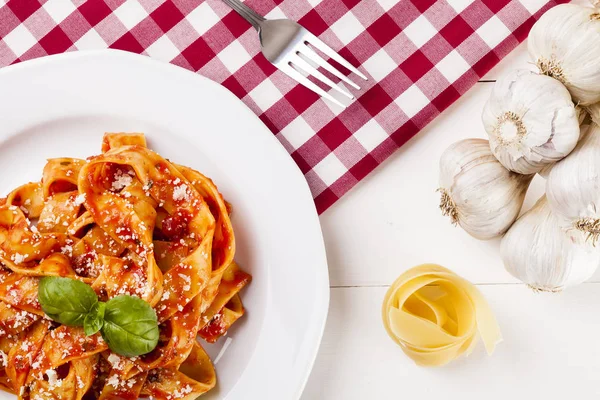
{"points": [[128, 324], [65, 300], [94, 321]]}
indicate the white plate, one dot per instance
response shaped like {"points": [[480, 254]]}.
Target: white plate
{"points": [[61, 106]]}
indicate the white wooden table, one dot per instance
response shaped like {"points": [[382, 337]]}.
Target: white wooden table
{"points": [[391, 222]]}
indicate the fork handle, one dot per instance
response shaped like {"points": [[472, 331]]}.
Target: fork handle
{"points": [[246, 12]]}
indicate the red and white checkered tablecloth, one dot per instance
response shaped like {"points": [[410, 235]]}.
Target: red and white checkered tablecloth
{"points": [[420, 55]]}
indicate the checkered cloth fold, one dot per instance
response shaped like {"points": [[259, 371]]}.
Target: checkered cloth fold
{"points": [[420, 55]]}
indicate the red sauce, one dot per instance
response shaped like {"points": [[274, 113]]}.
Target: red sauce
{"points": [[112, 171], [126, 394], [220, 247], [84, 264], [175, 226], [84, 259], [63, 370], [21, 365], [61, 186], [241, 279], [214, 329], [17, 200], [124, 232], [105, 144], [162, 167]]}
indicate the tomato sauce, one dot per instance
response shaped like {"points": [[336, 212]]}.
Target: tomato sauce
{"points": [[175, 226], [215, 328], [61, 187]]}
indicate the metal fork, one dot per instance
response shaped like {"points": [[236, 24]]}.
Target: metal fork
{"points": [[288, 46]]}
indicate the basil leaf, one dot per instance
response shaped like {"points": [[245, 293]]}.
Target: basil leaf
{"points": [[95, 319], [130, 326], [66, 300]]}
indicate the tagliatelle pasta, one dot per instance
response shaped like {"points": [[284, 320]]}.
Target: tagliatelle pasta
{"points": [[124, 222], [434, 315]]}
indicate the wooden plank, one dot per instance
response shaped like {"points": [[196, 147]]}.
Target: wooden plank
{"points": [[550, 351]]}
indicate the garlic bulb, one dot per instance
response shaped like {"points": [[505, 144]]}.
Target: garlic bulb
{"points": [[531, 121], [564, 45], [541, 252], [478, 193], [573, 185]]}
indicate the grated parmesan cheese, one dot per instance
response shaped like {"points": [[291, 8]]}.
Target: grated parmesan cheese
{"points": [[79, 200], [113, 381], [188, 282], [80, 383], [115, 361], [67, 250], [121, 181], [181, 393], [18, 258], [180, 193], [53, 380]]}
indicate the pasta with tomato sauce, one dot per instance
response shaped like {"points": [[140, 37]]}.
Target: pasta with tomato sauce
{"points": [[125, 222]]}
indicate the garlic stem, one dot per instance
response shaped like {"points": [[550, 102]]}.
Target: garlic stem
{"points": [[543, 289], [448, 206], [589, 226], [552, 68]]}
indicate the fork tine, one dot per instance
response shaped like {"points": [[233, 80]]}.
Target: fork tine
{"points": [[303, 64], [312, 39], [312, 55], [294, 74]]}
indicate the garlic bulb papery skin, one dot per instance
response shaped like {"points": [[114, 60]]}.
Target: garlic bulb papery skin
{"points": [[573, 185], [541, 252], [477, 192], [585, 120], [594, 112], [546, 170], [531, 121], [583, 116], [563, 44]]}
